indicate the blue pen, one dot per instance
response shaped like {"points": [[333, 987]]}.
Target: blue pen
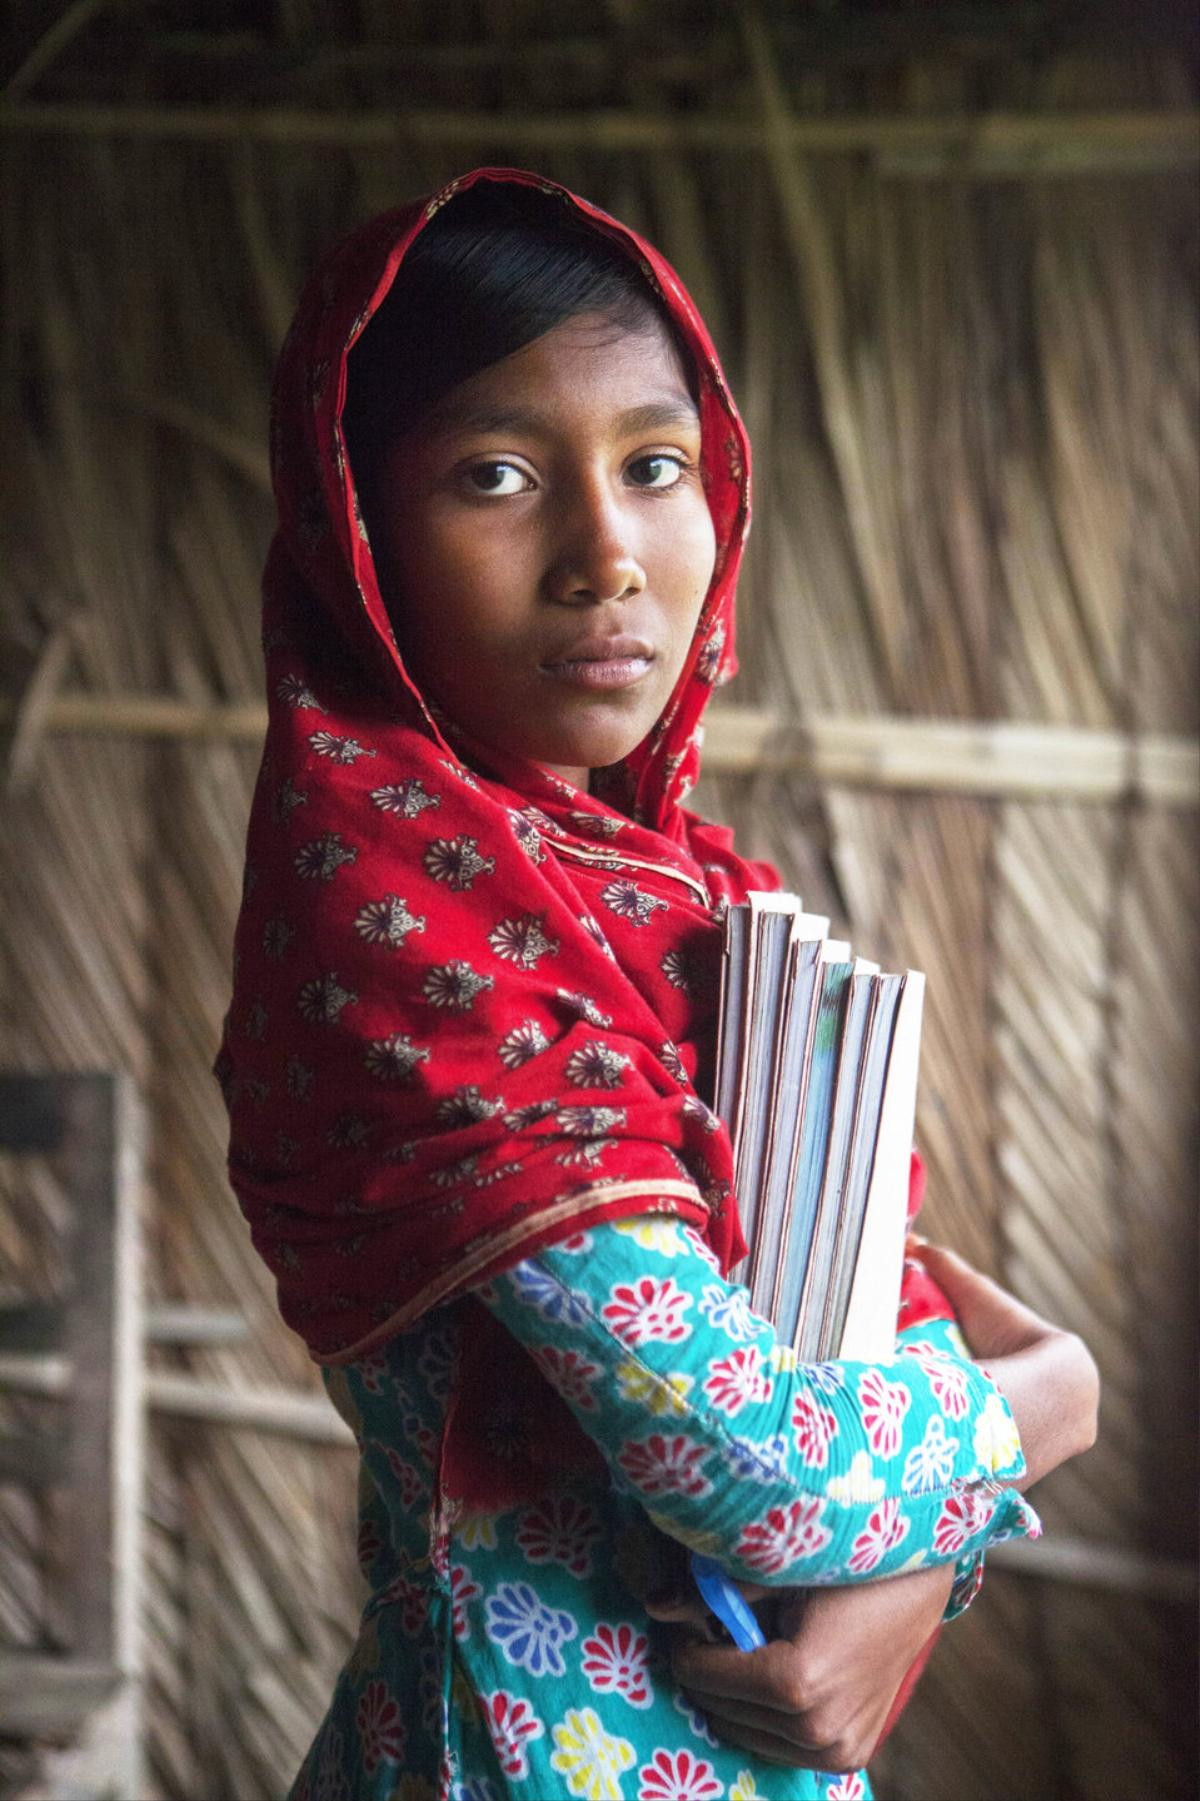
{"points": [[722, 1597]]}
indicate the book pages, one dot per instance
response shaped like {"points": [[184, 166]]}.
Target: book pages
{"points": [[816, 1080]]}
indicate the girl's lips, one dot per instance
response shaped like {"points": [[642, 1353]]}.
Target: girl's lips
{"points": [[608, 672], [603, 662]]}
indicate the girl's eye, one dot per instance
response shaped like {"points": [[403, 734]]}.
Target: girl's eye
{"points": [[497, 478], [657, 471]]}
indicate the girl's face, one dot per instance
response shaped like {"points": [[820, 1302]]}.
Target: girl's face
{"points": [[544, 543]]}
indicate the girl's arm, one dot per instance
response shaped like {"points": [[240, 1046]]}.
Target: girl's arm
{"points": [[838, 1473], [818, 1696]]}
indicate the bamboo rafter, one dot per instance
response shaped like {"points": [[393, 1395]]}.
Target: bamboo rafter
{"points": [[982, 145], [982, 758]]}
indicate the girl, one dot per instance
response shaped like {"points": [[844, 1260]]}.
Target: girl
{"points": [[471, 1031]]}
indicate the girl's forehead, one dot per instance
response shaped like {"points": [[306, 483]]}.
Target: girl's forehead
{"points": [[635, 380]]}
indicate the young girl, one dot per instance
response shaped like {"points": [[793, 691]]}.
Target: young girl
{"points": [[471, 1034]]}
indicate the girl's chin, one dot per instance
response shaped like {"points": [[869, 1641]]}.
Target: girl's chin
{"points": [[585, 753]]}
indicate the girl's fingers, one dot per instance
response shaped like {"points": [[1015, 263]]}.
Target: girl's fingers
{"points": [[995, 1322], [678, 1609], [765, 1677]]}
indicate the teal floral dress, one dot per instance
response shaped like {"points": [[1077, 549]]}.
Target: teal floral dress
{"points": [[501, 1654]]}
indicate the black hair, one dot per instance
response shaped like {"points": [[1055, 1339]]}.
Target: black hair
{"points": [[496, 268]]}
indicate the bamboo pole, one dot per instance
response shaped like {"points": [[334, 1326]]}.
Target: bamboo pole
{"points": [[1099, 1566], [279, 1411], [51, 45], [983, 758], [982, 145]]}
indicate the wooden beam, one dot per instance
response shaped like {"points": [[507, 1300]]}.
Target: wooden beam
{"points": [[995, 759], [38, 1326], [979, 146], [177, 1323], [50, 1697], [988, 759], [1113, 1567], [281, 1412]]}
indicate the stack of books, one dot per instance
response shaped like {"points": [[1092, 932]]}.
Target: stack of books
{"points": [[816, 1080]]}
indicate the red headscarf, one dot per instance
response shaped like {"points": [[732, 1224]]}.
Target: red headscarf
{"points": [[474, 1008]]}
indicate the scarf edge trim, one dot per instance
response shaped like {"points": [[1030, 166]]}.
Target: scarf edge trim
{"points": [[489, 1256]]}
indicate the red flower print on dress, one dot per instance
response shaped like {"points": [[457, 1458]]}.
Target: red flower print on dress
{"points": [[412, 1601], [380, 1725], [419, 1437], [369, 1544], [457, 862], [585, 1007], [596, 1065], [408, 1478], [788, 1535], [651, 1308], [512, 1723], [407, 798], [527, 832], [521, 1044], [665, 1466], [320, 860], [321, 1000], [463, 1589], [682, 971], [388, 921], [287, 798], [628, 902], [614, 1662], [455, 985], [296, 693], [371, 1370], [886, 1528], [599, 825], [738, 1379], [849, 1787], [277, 935], [341, 750], [561, 1529], [394, 1059], [962, 1516], [884, 1405], [947, 1379], [678, 1776], [522, 941], [708, 664], [331, 1780], [571, 1373], [814, 1428], [466, 1106], [595, 932]]}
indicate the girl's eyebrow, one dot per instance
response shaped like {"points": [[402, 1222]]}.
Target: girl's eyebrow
{"points": [[653, 415]]}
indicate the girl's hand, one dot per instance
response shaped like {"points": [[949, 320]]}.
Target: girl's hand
{"points": [[817, 1697], [1046, 1375]]}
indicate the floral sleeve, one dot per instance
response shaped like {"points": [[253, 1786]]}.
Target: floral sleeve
{"points": [[787, 1473], [940, 1338]]}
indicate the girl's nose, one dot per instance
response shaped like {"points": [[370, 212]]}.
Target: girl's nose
{"points": [[594, 558]]}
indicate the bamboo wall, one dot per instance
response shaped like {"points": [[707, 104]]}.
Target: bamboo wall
{"points": [[973, 406]]}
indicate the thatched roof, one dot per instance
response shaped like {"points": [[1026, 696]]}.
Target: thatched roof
{"points": [[950, 256]]}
